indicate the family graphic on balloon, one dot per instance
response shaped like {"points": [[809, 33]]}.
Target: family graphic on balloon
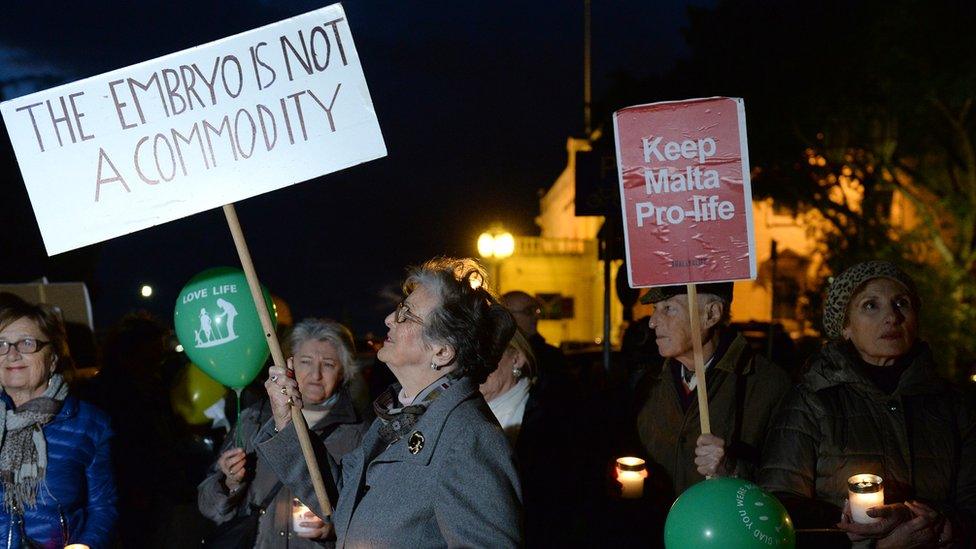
{"points": [[219, 327], [210, 334]]}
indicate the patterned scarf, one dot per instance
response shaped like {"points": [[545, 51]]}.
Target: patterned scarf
{"points": [[23, 449], [399, 420]]}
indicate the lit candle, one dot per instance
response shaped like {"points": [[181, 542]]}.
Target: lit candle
{"points": [[631, 473], [299, 514], [864, 492]]}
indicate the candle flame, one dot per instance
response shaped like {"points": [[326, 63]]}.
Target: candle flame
{"points": [[631, 468], [630, 461], [865, 482]]}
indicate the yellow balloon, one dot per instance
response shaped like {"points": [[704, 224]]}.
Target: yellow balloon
{"points": [[194, 392]]}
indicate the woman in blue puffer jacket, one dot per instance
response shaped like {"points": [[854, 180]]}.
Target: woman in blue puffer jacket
{"points": [[56, 476]]}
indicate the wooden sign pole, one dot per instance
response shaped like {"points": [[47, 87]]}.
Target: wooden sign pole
{"points": [[279, 359], [706, 427]]}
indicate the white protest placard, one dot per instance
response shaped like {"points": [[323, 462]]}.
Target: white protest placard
{"points": [[194, 130]]}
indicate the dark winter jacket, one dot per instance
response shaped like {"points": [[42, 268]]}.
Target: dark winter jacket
{"points": [[743, 390], [921, 439], [79, 483], [339, 432], [548, 453]]}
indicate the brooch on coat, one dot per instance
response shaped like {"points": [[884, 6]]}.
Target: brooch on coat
{"points": [[416, 442]]}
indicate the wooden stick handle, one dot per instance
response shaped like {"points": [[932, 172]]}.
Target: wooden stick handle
{"points": [[279, 358], [693, 313]]}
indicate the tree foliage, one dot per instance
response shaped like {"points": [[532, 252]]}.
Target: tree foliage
{"points": [[861, 111]]}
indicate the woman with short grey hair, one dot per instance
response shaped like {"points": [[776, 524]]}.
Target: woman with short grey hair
{"points": [[242, 488], [318, 329], [434, 469]]}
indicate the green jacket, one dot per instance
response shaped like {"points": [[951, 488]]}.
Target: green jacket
{"points": [[743, 390], [921, 439]]}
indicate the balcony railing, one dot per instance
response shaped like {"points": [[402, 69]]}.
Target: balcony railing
{"points": [[537, 245]]}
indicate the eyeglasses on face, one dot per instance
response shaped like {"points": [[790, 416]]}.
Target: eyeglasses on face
{"points": [[403, 314], [25, 346]]}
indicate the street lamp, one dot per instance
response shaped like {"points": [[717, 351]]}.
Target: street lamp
{"points": [[495, 245]]}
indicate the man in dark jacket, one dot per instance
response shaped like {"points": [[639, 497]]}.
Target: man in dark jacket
{"points": [[743, 389]]}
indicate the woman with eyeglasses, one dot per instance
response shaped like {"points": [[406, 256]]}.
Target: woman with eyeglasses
{"points": [[55, 464], [434, 469]]}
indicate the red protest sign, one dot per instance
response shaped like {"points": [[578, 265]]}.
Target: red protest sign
{"points": [[685, 193]]}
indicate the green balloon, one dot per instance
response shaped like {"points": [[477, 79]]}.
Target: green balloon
{"points": [[219, 328], [728, 513]]}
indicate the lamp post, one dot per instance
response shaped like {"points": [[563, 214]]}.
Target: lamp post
{"points": [[494, 245]]}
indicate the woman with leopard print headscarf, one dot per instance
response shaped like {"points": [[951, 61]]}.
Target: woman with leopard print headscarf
{"points": [[871, 402]]}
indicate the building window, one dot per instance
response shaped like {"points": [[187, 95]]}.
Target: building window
{"points": [[556, 306]]}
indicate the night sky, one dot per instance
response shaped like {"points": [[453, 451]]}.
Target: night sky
{"points": [[475, 100]]}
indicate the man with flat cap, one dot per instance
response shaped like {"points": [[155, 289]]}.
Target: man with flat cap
{"points": [[743, 390]]}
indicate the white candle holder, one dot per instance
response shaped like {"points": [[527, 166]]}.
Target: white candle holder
{"points": [[631, 472], [300, 513], [864, 492]]}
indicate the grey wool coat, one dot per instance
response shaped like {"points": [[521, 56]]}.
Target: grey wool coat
{"points": [[459, 489], [339, 432]]}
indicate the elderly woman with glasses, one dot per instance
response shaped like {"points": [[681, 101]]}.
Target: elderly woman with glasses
{"points": [[871, 402], [242, 487], [55, 461], [434, 469]]}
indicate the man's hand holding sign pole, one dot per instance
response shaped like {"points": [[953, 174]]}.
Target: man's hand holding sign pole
{"points": [[195, 130], [683, 169]]}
